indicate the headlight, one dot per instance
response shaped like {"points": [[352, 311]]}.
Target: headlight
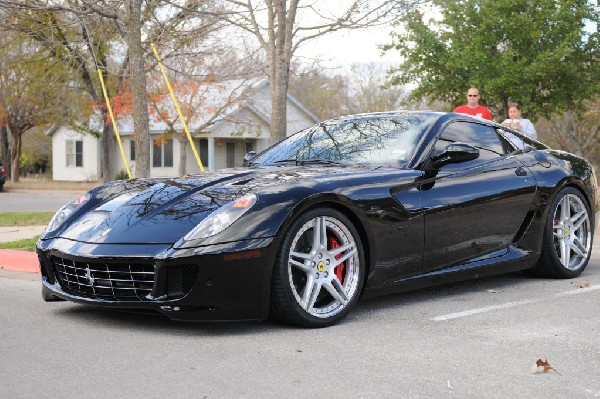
{"points": [[222, 218], [64, 212]]}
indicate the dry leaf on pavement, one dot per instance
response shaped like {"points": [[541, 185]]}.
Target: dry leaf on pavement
{"points": [[542, 363], [585, 284]]}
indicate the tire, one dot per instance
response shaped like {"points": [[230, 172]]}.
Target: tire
{"points": [[317, 279], [567, 242]]}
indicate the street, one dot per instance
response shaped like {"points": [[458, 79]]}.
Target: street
{"points": [[467, 340], [35, 201]]}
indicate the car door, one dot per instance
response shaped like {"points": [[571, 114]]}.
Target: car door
{"points": [[475, 207]]}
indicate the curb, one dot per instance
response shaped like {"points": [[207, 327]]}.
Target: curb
{"points": [[21, 261]]}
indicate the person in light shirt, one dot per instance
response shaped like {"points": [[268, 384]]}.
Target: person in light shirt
{"points": [[517, 122], [472, 107]]}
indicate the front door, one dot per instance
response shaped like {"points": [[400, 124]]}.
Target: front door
{"points": [[230, 155], [476, 207]]}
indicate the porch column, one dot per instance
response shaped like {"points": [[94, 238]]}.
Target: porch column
{"points": [[211, 153]]}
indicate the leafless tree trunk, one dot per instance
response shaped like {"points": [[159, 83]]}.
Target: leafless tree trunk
{"points": [[137, 73], [16, 135], [4, 155], [183, 143]]}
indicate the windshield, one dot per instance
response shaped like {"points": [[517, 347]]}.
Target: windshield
{"points": [[388, 140]]}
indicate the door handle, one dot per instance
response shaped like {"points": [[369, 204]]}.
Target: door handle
{"points": [[520, 171]]}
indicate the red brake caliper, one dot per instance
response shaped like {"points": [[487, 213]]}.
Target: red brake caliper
{"points": [[339, 270]]}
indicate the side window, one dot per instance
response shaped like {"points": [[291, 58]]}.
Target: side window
{"points": [[485, 138], [512, 141]]}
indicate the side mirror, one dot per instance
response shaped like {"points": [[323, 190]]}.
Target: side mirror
{"points": [[455, 153], [248, 157]]}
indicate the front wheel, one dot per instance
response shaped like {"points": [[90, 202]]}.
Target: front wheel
{"points": [[567, 244], [319, 271]]}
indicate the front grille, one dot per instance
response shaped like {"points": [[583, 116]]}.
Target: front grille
{"points": [[114, 281]]}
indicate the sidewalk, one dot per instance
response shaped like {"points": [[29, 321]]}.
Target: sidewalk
{"points": [[9, 234], [23, 261]]}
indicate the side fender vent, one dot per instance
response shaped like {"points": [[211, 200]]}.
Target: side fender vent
{"points": [[524, 226]]}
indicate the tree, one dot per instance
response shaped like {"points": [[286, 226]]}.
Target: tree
{"points": [[574, 132], [280, 27], [368, 92], [359, 89], [32, 92], [62, 35], [177, 24], [326, 95], [538, 53]]}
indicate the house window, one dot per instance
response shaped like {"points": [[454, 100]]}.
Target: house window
{"points": [[74, 153], [162, 154], [132, 150]]}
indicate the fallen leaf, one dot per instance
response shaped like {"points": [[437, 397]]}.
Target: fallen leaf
{"points": [[546, 367], [585, 284], [298, 350]]}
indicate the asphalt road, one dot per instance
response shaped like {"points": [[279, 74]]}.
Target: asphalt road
{"points": [[468, 340], [35, 201]]}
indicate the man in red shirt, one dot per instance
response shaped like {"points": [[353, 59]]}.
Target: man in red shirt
{"points": [[472, 107]]}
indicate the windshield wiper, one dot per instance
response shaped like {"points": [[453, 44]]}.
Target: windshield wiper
{"points": [[310, 161], [318, 161], [295, 161]]}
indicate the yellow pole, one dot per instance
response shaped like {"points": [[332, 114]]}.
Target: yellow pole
{"points": [[114, 122], [185, 127]]}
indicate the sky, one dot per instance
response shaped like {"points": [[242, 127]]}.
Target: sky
{"points": [[338, 49]]}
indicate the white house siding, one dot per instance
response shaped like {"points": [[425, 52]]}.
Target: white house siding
{"points": [[296, 119], [89, 171], [154, 171]]}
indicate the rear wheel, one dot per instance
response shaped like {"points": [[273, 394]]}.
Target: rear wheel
{"points": [[567, 244], [319, 270]]}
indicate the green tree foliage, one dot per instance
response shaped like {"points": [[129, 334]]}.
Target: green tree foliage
{"points": [[540, 53]]}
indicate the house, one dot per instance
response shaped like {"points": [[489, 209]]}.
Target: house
{"points": [[226, 120]]}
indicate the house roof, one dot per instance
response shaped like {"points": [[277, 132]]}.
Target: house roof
{"points": [[206, 106]]}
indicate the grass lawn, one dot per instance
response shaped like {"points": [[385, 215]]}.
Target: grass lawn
{"points": [[9, 219], [48, 184], [27, 244]]}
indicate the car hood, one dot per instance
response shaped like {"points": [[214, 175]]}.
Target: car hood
{"points": [[164, 210]]}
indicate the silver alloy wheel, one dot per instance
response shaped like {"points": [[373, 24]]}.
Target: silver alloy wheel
{"points": [[572, 232], [314, 266]]}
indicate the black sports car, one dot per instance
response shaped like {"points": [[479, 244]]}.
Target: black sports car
{"points": [[361, 205]]}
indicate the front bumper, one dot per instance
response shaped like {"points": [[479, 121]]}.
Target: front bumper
{"points": [[230, 281]]}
